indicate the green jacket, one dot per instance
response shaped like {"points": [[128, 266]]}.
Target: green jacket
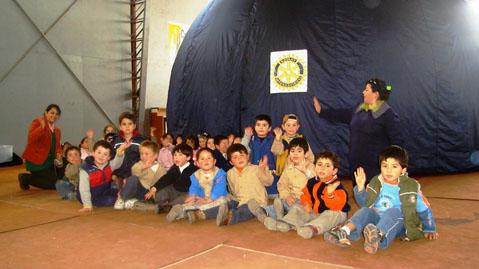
{"points": [[408, 192]]}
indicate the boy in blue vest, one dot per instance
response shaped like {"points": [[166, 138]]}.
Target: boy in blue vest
{"points": [[259, 145], [392, 206], [95, 176]]}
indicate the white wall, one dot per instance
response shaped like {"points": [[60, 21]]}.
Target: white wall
{"points": [[159, 66]]}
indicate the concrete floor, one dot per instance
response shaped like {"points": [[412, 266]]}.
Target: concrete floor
{"points": [[38, 230]]}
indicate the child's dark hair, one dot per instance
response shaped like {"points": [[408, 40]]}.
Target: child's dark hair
{"points": [[193, 139], [151, 145], [235, 148], [127, 115], [109, 125], [55, 106], [104, 144], [299, 142], [220, 138], [71, 148], [183, 149], [205, 149], [379, 86], [394, 152], [328, 155], [165, 135], [263, 117], [82, 141]]}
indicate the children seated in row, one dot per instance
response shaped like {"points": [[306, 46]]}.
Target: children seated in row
{"points": [[145, 174], [259, 141], [165, 155], [207, 190], [172, 188], [67, 186], [246, 182], [221, 146], [392, 206], [95, 188]]}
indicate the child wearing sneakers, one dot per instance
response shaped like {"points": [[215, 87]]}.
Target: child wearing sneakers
{"points": [[68, 186], [324, 203], [259, 145], [95, 176], [392, 206], [207, 190], [291, 183], [246, 182], [290, 125], [145, 174], [172, 188]]}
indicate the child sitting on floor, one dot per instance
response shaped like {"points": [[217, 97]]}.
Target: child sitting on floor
{"points": [[207, 190], [68, 186], [246, 182], [392, 206]]}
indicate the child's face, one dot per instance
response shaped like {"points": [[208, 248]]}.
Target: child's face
{"points": [[109, 130], [101, 155], [190, 143], [73, 157], [180, 159], [237, 140], [391, 169], [239, 160], [206, 161], [85, 144], [290, 127], [296, 155], [202, 142], [179, 140], [223, 146], [262, 128], [147, 156], [127, 126], [166, 141], [325, 169], [211, 143]]}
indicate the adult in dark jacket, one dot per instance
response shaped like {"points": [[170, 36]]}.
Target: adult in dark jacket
{"points": [[373, 126], [42, 151]]}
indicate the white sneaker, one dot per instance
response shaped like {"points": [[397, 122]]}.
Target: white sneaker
{"points": [[119, 204], [129, 204]]}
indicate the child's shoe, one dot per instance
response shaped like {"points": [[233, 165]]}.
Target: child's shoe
{"points": [[72, 196], [275, 225], [119, 204], [130, 203], [278, 208], [306, 232], [372, 237], [145, 207], [195, 215], [257, 210], [175, 213], [223, 216], [338, 237]]}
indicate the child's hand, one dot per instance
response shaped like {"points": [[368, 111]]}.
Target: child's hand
{"points": [[90, 133], [332, 187], [278, 133], [205, 200], [290, 200], [41, 119], [360, 177], [121, 149], [316, 104], [190, 199], [301, 166], [263, 163], [86, 210], [150, 194], [248, 131], [431, 236]]}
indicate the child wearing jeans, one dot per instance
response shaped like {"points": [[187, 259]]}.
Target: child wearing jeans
{"points": [[207, 190], [392, 206], [246, 182]]}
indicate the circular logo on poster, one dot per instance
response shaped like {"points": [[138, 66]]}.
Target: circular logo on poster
{"points": [[288, 72]]}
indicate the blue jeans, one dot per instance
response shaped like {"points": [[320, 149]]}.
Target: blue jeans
{"points": [[239, 214], [391, 224], [133, 189], [65, 189]]}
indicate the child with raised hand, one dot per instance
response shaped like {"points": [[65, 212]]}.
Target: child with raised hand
{"points": [[392, 206], [172, 188], [259, 145], [130, 137], [290, 125], [324, 203], [207, 190], [291, 182], [96, 174], [246, 182], [145, 174], [67, 186]]}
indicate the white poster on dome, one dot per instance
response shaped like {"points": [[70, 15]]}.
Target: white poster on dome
{"points": [[289, 71]]}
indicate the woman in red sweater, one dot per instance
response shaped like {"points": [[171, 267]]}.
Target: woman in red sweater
{"points": [[43, 150]]}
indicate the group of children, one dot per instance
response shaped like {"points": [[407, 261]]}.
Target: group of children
{"points": [[232, 180]]}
